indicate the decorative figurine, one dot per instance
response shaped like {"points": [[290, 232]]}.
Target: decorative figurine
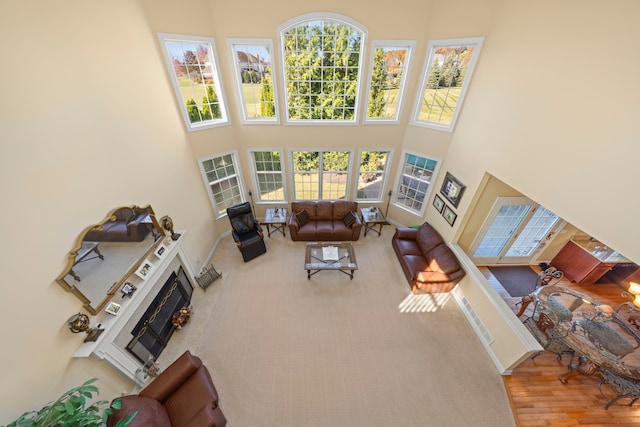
{"points": [[167, 224]]}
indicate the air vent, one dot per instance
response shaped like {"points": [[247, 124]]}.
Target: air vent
{"points": [[477, 321]]}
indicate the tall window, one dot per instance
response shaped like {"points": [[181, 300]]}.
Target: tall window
{"points": [[447, 72], [322, 56], [390, 64], [223, 178], [193, 67], [320, 175], [414, 182], [372, 175], [254, 74], [268, 173]]}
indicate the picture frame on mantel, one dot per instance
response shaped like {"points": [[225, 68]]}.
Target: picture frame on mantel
{"points": [[452, 189], [145, 269]]}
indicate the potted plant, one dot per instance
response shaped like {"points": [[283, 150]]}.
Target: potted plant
{"points": [[71, 410]]}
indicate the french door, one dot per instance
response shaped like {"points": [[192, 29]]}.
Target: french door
{"points": [[513, 232]]}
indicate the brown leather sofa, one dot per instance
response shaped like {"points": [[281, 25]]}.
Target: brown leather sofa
{"points": [[182, 395], [326, 221], [428, 263], [126, 225]]}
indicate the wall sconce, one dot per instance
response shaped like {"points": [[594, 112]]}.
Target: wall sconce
{"points": [[634, 289], [80, 323]]}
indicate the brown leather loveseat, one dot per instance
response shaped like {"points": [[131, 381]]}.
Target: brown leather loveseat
{"points": [[327, 221], [428, 263], [182, 395]]}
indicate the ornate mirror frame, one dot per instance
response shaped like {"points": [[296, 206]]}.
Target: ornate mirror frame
{"points": [[67, 279]]}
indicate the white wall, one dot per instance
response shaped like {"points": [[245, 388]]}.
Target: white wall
{"points": [[88, 124]]}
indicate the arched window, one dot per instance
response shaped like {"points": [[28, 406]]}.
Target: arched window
{"points": [[322, 62]]}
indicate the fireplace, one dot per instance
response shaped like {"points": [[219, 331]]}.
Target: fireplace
{"points": [[154, 329]]}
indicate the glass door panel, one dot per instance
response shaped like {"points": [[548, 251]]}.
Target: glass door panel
{"points": [[513, 231]]}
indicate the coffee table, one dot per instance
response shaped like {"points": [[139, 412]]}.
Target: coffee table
{"points": [[277, 220], [371, 218], [317, 258]]}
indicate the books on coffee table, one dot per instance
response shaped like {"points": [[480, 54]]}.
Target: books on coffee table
{"points": [[330, 253]]}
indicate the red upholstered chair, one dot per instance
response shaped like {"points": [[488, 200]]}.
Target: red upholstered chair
{"points": [[182, 395]]}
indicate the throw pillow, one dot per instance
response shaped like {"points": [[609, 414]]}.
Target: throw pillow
{"points": [[303, 218], [349, 219], [239, 226]]}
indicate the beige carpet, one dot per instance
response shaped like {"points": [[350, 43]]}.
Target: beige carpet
{"points": [[290, 352]]}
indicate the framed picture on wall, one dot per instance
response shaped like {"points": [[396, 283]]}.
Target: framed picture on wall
{"points": [[452, 189], [449, 215], [438, 203]]}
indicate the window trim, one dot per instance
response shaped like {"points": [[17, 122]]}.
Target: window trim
{"points": [[348, 172], [254, 172], [385, 176], [231, 44], [399, 173], [322, 16], [433, 45], [239, 176], [191, 127], [411, 46]]}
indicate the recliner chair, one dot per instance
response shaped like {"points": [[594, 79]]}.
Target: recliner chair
{"points": [[246, 231]]}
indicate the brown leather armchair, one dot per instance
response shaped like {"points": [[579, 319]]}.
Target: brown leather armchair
{"points": [[182, 395]]}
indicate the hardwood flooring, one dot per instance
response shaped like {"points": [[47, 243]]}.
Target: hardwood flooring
{"points": [[538, 398]]}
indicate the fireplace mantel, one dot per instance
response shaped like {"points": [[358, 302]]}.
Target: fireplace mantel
{"points": [[111, 344]]}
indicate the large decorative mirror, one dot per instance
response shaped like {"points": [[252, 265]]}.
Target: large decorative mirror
{"points": [[106, 254]]}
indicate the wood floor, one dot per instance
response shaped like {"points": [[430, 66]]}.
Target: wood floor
{"points": [[538, 398]]}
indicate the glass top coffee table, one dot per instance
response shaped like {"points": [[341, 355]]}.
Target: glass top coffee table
{"points": [[330, 256]]}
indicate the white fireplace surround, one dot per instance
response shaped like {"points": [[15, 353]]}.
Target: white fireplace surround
{"points": [[111, 344]]}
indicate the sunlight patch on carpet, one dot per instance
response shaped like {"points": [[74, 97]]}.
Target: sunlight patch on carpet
{"points": [[423, 303]]}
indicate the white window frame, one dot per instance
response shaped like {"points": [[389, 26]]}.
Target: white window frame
{"points": [[410, 46], [322, 16], [255, 172], [217, 81], [431, 181], [221, 212], [384, 180], [476, 42], [348, 172], [268, 43]]}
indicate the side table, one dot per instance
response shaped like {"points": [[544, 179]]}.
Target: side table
{"points": [[277, 220], [372, 217]]}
